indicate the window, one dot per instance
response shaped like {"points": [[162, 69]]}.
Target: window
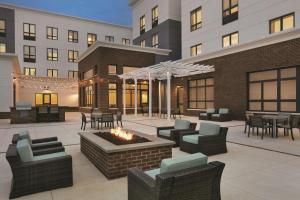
{"points": [[2, 28], [143, 43], [2, 48], [72, 55], [155, 41], [231, 39], [155, 16], [142, 94], [196, 19], [273, 90], [201, 93], [72, 74], [46, 99], [52, 54], [29, 31], [89, 93], [29, 53], [91, 38], [52, 33], [112, 95], [127, 69], [52, 73], [109, 38], [282, 23], [230, 11], [29, 71], [196, 49], [142, 24], [125, 41], [112, 69], [73, 36]]}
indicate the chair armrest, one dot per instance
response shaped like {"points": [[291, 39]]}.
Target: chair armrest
{"points": [[47, 146], [48, 151], [140, 185], [188, 132], [41, 140], [163, 128], [15, 139], [211, 138]]}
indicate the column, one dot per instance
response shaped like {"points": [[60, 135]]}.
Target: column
{"points": [[135, 97], [150, 95], [159, 98], [124, 96], [169, 95]]}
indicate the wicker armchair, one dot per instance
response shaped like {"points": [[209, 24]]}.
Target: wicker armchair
{"points": [[198, 183], [223, 115], [38, 176], [173, 132], [207, 114], [208, 144]]}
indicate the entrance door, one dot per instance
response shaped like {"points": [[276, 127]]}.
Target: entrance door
{"points": [[180, 98]]}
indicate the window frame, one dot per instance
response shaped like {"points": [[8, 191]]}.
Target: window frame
{"points": [[154, 19], [281, 22], [112, 65], [230, 39], [143, 42], [73, 72], [44, 94], [196, 45], [52, 58], [93, 36], [155, 39], [126, 40], [52, 70], [142, 26], [5, 47], [226, 19], [29, 68], [116, 92], [194, 27], [73, 33], [51, 37], [109, 38], [3, 31], [29, 57], [30, 36], [73, 59], [205, 91]]}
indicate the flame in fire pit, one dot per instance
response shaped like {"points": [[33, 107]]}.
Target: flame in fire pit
{"points": [[121, 133]]}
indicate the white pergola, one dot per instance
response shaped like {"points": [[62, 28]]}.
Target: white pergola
{"points": [[161, 71]]}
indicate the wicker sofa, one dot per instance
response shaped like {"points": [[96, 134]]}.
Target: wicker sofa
{"points": [[209, 140], [173, 132], [223, 115], [197, 182], [32, 174], [207, 114]]}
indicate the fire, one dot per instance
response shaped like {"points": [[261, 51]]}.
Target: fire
{"points": [[121, 133]]}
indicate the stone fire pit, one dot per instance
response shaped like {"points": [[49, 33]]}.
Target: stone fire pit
{"points": [[115, 160]]}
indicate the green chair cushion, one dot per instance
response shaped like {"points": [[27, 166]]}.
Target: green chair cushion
{"points": [[183, 162], [223, 111], [182, 124], [209, 129], [44, 144], [203, 114], [24, 150], [152, 173], [49, 156], [191, 138], [166, 133], [210, 110], [215, 115], [24, 134]]}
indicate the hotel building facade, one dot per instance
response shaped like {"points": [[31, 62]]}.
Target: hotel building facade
{"points": [[39, 51]]}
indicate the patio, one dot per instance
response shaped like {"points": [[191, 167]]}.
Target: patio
{"points": [[250, 173]]}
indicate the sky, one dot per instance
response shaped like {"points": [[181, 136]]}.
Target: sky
{"points": [[112, 11]]}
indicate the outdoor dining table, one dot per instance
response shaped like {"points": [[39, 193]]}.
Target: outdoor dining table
{"points": [[275, 118]]}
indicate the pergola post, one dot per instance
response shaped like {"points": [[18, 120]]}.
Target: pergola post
{"points": [[159, 98], [169, 95], [135, 97], [124, 96], [150, 95]]}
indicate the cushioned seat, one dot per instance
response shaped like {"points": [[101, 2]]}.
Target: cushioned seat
{"points": [[166, 133], [203, 114], [215, 115], [44, 144], [49, 156], [152, 173], [209, 129], [191, 138], [182, 124], [223, 111], [24, 150]]}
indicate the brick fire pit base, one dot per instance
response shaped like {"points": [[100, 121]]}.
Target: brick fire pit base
{"points": [[114, 161]]}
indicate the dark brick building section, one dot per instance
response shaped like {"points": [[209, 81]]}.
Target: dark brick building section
{"points": [[99, 61], [9, 38], [169, 37], [230, 77]]}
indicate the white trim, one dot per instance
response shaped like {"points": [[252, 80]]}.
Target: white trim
{"points": [[269, 40], [97, 44], [12, 6]]}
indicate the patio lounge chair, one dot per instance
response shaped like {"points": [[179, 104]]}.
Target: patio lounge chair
{"points": [[32, 174], [189, 177], [209, 140], [223, 115], [207, 115], [39, 146], [173, 132]]}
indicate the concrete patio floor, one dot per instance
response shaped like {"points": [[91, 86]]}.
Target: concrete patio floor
{"points": [[250, 173]]}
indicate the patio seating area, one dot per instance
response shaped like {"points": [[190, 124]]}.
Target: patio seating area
{"points": [[254, 168]]}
